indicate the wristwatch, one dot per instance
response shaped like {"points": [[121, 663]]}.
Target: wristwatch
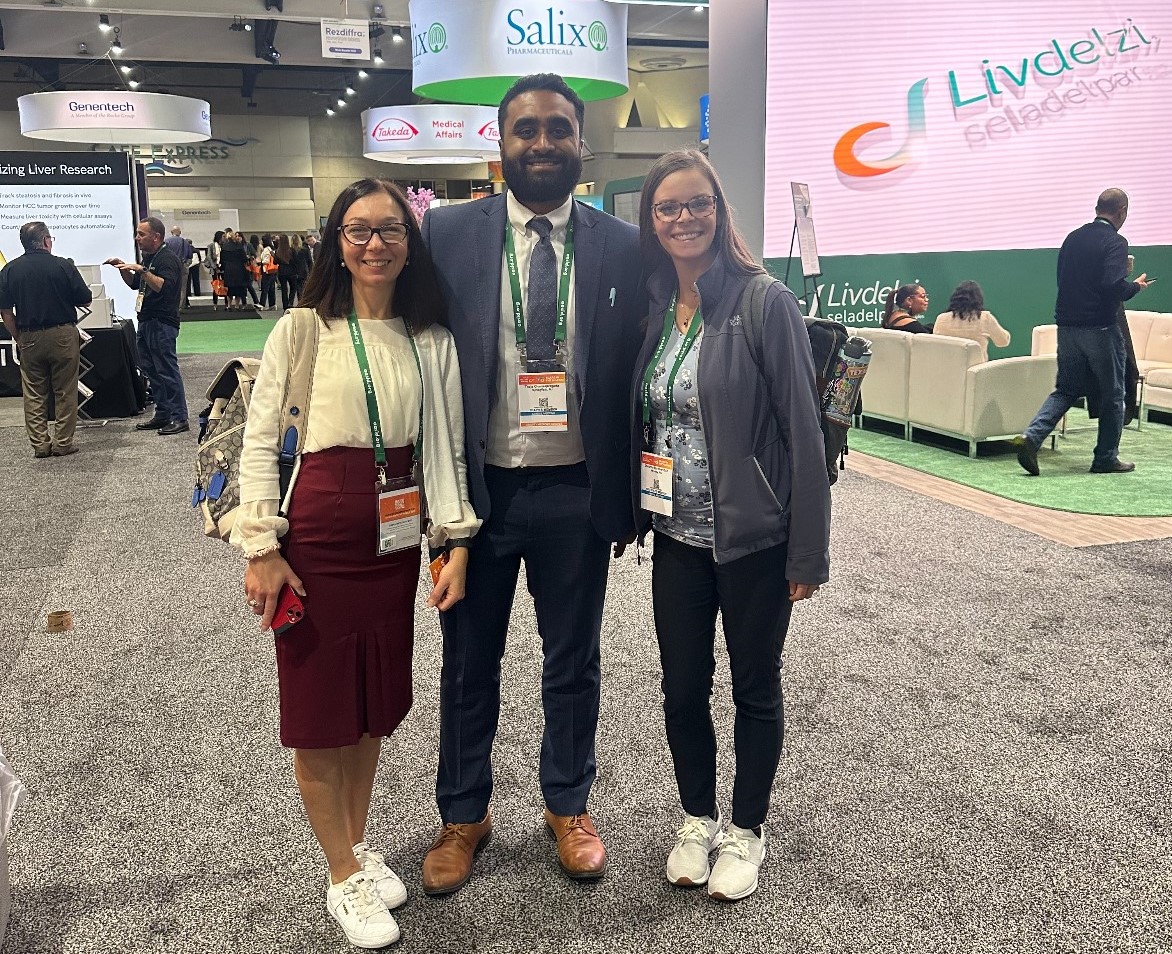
{"points": [[464, 542]]}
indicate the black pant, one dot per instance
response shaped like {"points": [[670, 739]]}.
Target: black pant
{"points": [[752, 595], [540, 515], [268, 291], [288, 290]]}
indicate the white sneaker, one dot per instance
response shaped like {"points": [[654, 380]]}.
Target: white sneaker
{"points": [[687, 865], [734, 876], [387, 885], [362, 915]]}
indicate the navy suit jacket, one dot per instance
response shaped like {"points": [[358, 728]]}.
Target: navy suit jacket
{"points": [[467, 245]]}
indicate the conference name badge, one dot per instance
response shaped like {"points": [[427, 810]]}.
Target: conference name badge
{"points": [[398, 520], [139, 300], [541, 401], [655, 489]]}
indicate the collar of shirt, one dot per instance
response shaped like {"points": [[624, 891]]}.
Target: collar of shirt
{"points": [[519, 216]]}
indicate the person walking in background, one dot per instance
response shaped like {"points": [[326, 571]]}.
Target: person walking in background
{"points": [[286, 270], [536, 284], [213, 266], [729, 468], [904, 306], [157, 282], [344, 671], [1092, 283], [966, 318], [302, 263], [252, 270], [185, 252], [234, 266], [268, 275], [39, 297]]}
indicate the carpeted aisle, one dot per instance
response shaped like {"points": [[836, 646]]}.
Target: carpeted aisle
{"points": [[976, 757], [1064, 483]]}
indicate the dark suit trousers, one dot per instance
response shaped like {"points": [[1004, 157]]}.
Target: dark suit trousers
{"points": [[540, 515]]}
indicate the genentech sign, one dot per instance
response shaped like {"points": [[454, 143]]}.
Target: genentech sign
{"points": [[111, 117]]}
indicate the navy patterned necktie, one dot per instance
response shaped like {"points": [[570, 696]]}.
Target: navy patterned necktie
{"points": [[541, 306]]}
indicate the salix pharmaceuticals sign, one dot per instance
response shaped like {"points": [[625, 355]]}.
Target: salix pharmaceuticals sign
{"points": [[471, 51], [110, 116]]}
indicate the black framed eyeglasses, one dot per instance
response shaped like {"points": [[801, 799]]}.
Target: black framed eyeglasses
{"points": [[701, 206], [393, 234]]}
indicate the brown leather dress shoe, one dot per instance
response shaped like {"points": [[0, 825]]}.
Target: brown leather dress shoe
{"points": [[448, 862], [580, 850]]}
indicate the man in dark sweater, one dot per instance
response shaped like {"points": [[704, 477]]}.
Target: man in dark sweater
{"points": [[1092, 283], [39, 297], [158, 283]]}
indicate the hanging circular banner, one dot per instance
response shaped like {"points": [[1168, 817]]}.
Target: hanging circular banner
{"points": [[114, 117], [436, 133], [472, 51]]}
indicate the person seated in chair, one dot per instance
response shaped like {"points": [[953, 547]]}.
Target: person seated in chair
{"points": [[966, 318], [904, 305]]}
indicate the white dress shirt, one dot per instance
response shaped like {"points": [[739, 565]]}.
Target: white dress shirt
{"points": [[507, 445]]}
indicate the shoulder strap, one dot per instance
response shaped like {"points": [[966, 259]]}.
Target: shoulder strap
{"points": [[752, 308], [304, 333]]}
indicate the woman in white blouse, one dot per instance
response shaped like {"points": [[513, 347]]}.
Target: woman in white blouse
{"points": [[385, 415], [967, 318]]}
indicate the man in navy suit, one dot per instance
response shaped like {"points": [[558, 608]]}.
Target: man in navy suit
{"points": [[544, 301], [1092, 355]]}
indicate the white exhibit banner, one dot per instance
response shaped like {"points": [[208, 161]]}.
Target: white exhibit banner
{"points": [[345, 39], [436, 133], [84, 199], [472, 51], [114, 117]]}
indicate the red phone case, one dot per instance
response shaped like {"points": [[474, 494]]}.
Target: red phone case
{"points": [[290, 610]]}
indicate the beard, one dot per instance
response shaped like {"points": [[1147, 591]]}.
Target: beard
{"points": [[530, 186]]}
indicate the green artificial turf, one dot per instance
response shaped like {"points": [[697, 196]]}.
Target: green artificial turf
{"points": [[1064, 484], [232, 337]]}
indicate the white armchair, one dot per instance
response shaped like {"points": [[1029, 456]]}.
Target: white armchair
{"points": [[885, 386]]}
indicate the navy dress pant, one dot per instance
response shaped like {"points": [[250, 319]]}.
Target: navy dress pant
{"points": [[540, 515]]}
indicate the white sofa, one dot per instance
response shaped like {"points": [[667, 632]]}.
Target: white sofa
{"points": [[944, 385], [1151, 334]]}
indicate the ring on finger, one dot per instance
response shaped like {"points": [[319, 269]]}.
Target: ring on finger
{"points": [[253, 603]]}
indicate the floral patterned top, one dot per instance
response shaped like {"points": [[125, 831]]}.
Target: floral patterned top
{"points": [[691, 519]]}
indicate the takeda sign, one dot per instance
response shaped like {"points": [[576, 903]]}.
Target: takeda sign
{"points": [[435, 133]]}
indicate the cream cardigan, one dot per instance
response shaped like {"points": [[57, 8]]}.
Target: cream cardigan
{"points": [[338, 418], [981, 330]]}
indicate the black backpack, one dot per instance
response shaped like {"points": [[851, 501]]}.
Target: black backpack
{"points": [[840, 363]]}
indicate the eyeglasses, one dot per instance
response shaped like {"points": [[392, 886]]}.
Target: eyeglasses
{"points": [[392, 234], [701, 206]]}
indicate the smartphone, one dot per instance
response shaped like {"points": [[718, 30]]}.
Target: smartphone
{"points": [[1150, 280], [436, 566], [290, 610]]}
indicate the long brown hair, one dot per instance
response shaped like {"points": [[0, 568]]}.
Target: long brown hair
{"points": [[417, 298], [897, 297], [283, 252], [727, 241]]}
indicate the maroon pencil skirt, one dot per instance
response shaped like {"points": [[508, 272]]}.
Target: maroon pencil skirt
{"points": [[344, 671]]}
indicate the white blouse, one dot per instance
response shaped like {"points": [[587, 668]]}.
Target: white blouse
{"points": [[982, 330], [338, 418]]}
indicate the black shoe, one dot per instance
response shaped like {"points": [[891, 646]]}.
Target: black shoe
{"points": [[41, 454], [65, 451], [1027, 456], [1117, 467], [152, 425], [175, 427]]}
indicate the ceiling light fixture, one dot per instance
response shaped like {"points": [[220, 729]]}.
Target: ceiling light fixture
{"points": [[376, 31], [378, 57], [127, 70], [82, 49], [133, 84], [362, 74], [329, 112], [104, 23], [239, 25], [350, 90], [698, 8], [341, 104], [376, 11], [116, 46], [273, 55], [397, 35]]}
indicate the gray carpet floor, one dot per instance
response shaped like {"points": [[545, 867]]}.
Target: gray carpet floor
{"points": [[977, 751]]}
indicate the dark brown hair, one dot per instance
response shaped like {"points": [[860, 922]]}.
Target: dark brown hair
{"points": [[897, 296], [417, 292], [727, 241], [967, 301]]}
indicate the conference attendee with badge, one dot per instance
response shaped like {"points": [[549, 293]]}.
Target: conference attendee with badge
{"points": [[544, 302], [39, 297], [159, 283], [729, 470], [333, 558]]}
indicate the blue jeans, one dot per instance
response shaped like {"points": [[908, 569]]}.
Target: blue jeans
{"points": [[157, 358], [1090, 360]]}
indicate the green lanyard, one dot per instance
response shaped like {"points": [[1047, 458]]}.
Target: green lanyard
{"points": [[559, 333], [376, 430], [690, 336]]}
